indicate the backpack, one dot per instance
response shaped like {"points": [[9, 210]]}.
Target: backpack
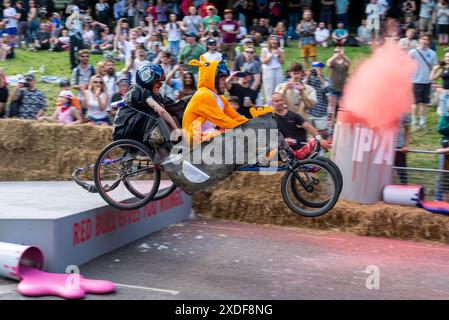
{"points": [[352, 42], [78, 73]]}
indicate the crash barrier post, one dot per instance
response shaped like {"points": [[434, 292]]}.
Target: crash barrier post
{"points": [[365, 157]]}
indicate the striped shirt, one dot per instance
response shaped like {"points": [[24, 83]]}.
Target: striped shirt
{"points": [[320, 108]]}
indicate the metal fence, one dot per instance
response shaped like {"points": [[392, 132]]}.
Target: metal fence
{"points": [[434, 179]]}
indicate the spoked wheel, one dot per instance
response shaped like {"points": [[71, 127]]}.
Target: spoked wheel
{"points": [[166, 188], [335, 167], [310, 188], [125, 175]]}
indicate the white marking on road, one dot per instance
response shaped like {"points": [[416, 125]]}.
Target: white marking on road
{"points": [[172, 292], [4, 289], [214, 227]]}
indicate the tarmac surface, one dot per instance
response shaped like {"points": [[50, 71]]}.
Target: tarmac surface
{"points": [[212, 259]]}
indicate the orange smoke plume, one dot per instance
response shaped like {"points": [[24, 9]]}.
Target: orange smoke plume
{"points": [[380, 91]]}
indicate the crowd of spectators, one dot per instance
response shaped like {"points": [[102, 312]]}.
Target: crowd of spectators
{"points": [[171, 33]]}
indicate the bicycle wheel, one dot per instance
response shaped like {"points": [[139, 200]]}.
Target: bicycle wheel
{"points": [[335, 167], [125, 175], [298, 190], [317, 184], [166, 188]]}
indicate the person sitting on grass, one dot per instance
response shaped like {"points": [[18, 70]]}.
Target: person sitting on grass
{"points": [[340, 35], [42, 39], [67, 110]]}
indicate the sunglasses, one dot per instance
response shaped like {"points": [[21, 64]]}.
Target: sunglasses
{"points": [[249, 51], [84, 57], [98, 81]]}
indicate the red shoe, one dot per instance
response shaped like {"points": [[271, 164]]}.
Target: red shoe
{"points": [[306, 151]]}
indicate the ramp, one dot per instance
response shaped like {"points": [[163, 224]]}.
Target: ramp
{"points": [[72, 226]]}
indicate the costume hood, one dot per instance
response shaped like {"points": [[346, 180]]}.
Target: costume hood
{"points": [[206, 74]]}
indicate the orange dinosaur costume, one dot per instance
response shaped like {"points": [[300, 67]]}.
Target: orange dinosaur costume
{"points": [[208, 113]]}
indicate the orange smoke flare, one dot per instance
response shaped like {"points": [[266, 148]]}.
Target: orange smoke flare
{"points": [[380, 91]]}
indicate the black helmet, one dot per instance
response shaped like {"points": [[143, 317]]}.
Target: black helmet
{"points": [[148, 73], [222, 71]]}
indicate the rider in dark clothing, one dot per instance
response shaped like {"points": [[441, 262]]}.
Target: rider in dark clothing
{"points": [[143, 105]]}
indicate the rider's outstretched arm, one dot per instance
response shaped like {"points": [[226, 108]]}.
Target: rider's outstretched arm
{"points": [[162, 112]]}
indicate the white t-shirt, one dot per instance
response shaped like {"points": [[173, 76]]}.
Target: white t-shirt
{"points": [[93, 106], [101, 6], [9, 14], [274, 62], [111, 87], [173, 32], [321, 34], [213, 56], [373, 16]]}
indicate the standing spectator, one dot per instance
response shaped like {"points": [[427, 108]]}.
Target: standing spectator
{"points": [[281, 33], [327, 10], [75, 27], [341, 11], [318, 113], [191, 50], [102, 11], [138, 57], [426, 16], [402, 146], [31, 101], [322, 35], [274, 11], [262, 8], [211, 16], [426, 59], [408, 43], [188, 85], [23, 23], [298, 95], [242, 90], [119, 9], [161, 12], [33, 21], [243, 31], [95, 102], [384, 7], [203, 8], [363, 35], [339, 65], [249, 61], [192, 22], [110, 78], [293, 12], [151, 11], [167, 89], [272, 58], [443, 23], [212, 53], [305, 5], [211, 33], [3, 93], [229, 30], [12, 18], [409, 9], [82, 73], [173, 30], [306, 31], [340, 35], [442, 72], [373, 19]]}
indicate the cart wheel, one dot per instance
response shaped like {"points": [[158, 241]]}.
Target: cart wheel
{"points": [[125, 175], [310, 188], [335, 167]]}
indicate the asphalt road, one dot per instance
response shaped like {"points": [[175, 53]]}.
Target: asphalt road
{"points": [[210, 259]]}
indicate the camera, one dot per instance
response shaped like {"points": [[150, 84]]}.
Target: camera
{"points": [[313, 72]]}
